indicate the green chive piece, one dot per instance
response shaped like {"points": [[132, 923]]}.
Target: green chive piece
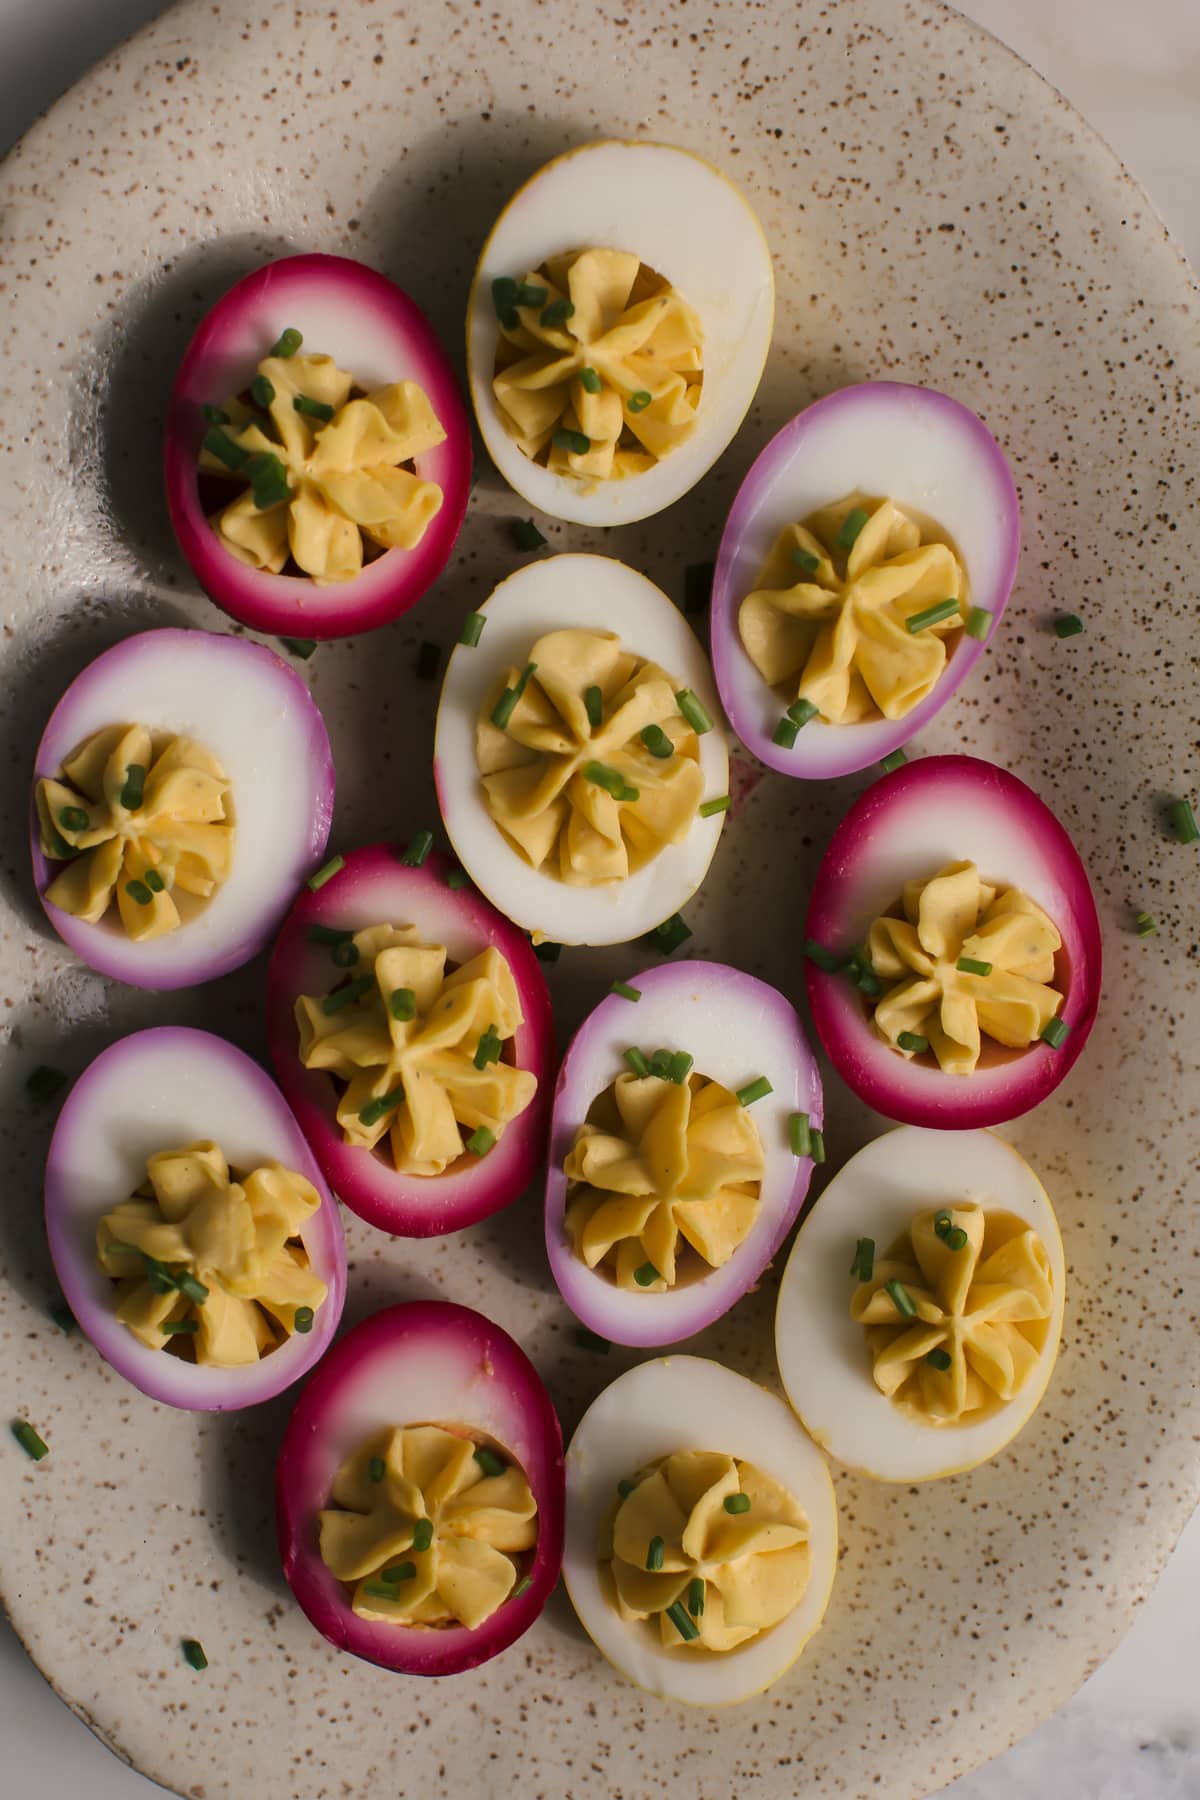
{"points": [[345, 955], [639, 401], [943, 1222], [864, 1259], [193, 1289], [804, 559], [481, 1141], [422, 1534], [376, 1470], [737, 1503], [625, 1488], [526, 535], [557, 313], [593, 705], [488, 1048], [660, 1065], [601, 776], [312, 409], [818, 1145], [418, 848], [403, 1571], [896, 759], [33, 1445], [529, 294], [574, 441], [506, 705], [504, 298], [214, 415], [695, 1599], [59, 849], [654, 1553], [155, 882], [137, 890], [472, 629], [708, 809], [268, 480], [801, 711], [348, 995], [44, 1082], [62, 1316], [851, 526], [378, 1591], [218, 443], [938, 1359], [656, 741], [956, 1238], [193, 1655], [179, 1327], [901, 1299], [457, 878], [625, 991], [799, 1134], [429, 656], [523, 1586], [680, 1067], [328, 934], [824, 959], [1145, 924], [375, 1109], [590, 380], [1055, 1033], [326, 872], [547, 951], [912, 1040], [693, 712], [785, 733], [971, 965], [301, 647], [979, 623], [402, 1004], [287, 343], [1068, 625], [133, 790], [73, 818], [667, 937], [1183, 821], [302, 1320], [637, 1062], [591, 1340], [262, 391], [646, 1275], [488, 1461], [754, 1090], [931, 615], [683, 1625]]}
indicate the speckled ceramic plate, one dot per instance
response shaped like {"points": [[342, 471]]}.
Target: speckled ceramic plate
{"points": [[937, 215]]}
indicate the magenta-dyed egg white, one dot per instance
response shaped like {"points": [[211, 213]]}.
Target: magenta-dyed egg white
{"points": [[241, 702], [161, 1090], [425, 1363], [736, 1029], [374, 887], [378, 335], [907, 826], [908, 444]]}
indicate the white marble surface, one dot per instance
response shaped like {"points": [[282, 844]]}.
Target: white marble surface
{"points": [[1133, 1733]]}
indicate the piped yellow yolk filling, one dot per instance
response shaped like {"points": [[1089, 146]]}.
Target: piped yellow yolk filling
{"points": [[956, 1313], [420, 1049], [595, 770], [137, 817], [323, 483], [426, 1525], [599, 378], [1006, 993], [657, 1162], [828, 618], [686, 1552], [210, 1263]]}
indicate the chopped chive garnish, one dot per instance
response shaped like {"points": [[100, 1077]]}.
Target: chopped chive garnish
{"points": [[864, 1259], [818, 1144], [59, 847], [894, 760], [214, 415], [979, 623], [593, 705], [557, 313], [301, 647], [218, 443], [785, 733], [1145, 924], [799, 1134], [737, 1503], [190, 1287], [193, 1655], [506, 705], [708, 809], [457, 878], [403, 1571], [429, 655], [287, 343], [681, 1622], [376, 1469], [591, 1340], [179, 1327], [912, 1040], [133, 788], [526, 535], [654, 1553], [481, 1141], [375, 1109], [679, 1067], [488, 1048], [691, 709], [504, 299], [625, 1488], [348, 995], [268, 480], [574, 441], [590, 379], [695, 1599], [942, 1223], [73, 818], [326, 872], [901, 1299], [656, 741], [30, 1442], [523, 1586], [1183, 821], [668, 936], [801, 711], [345, 955], [637, 1062], [62, 1316], [646, 1275], [971, 965], [1068, 625], [851, 526], [154, 881], [931, 615], [488, 1461], [1055, 1032], [472, 629], [529, 294], [754, 1090], [139, 892], [302, 1320], [660, 1065], [378, 1591], [804, 559], [697, 587], [824, 959], [625, 991], [262, 391], [547, 951], [418, 848], [328, 934], [44, 1082], [938, 1359], [312, 409], [611, 780], [422, 1534], [956, 1238], [639, 401]]}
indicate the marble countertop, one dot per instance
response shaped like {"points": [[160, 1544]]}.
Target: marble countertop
{"points": [[1133, 1732]]}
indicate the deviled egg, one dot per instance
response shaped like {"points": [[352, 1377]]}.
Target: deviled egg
{"points": [[701, 1531], [183, 788], [581, 773], [191, 1230], [318, 455], [410, 1029], [617, 328], [921, 1308], [419, 1491], [864, 565], [686, 1117]]}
